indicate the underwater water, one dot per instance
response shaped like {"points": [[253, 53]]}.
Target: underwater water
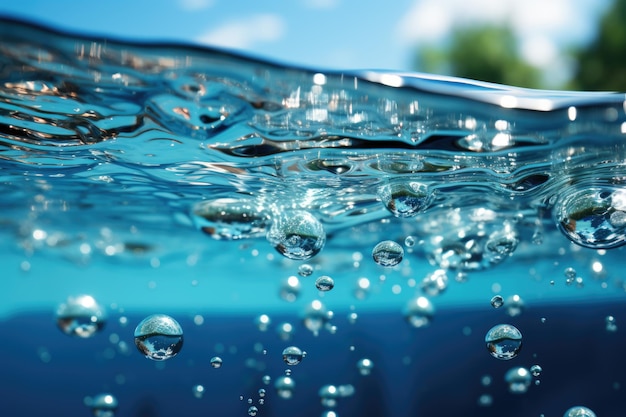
{"points": [[188, 232]]}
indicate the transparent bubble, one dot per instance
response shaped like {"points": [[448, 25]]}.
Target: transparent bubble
{"points": [[405, 199], [252, 411], [504, 341], [198, 391], [570, 273], [159, 337], [419, 312], [611, 325], [388, 253], [263, 322], [261, 392], [305, 270], [329, 395], [285, 331], [216, 362], [81, 316], [102, 405], [518, 380], [435, 283], [536, 370], [497, 301], [324, 283], [500, 244], [292, 355], [315, 316], [230, 219], [485, 400], [266, 379], [579, 411], [365, 366], [592, 216], [290, 289], [297, 235], [285, 386], [409, 241], [514, 305]]}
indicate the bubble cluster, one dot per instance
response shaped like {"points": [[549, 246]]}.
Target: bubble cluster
{"points": [[435, 283], [504, 341], [159, 337], [297, 234], [405, 199], [388, 253], [80, 316], [292, 355], [594, 217]]}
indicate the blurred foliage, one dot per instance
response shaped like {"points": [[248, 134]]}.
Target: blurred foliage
{"points": [[491, 53], [485, 53], [601, 65]]}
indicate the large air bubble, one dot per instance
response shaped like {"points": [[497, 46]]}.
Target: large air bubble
{"points": [[297, 235]]}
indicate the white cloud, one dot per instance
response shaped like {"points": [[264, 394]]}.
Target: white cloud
{"points": [[246, 32], [194, 5]]}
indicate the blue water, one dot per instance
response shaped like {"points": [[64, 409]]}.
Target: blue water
{"points": [[170, 179]]}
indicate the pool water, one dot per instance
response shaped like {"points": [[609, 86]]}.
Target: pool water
{"points": [[190, 232]]}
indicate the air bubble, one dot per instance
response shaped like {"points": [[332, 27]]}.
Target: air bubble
{"points": [[159, 337], [579, 411], [324, 283], [290, 289], [536, 370], [409, 241], [435, 283], [315, 316], [216, 362], [102, 405], [292, 355], [504, 341], [593, 217], [388, 253], [252, 411], [81, 316], [285, 386], [518, 380], [611, 326], [405, 199], [497, 301], [198, 391], [230, 219], [419, 312], [297, 235], [365, 366], [305, 270], [514, 305]]}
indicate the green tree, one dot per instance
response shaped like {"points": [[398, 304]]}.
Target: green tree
{"points": [[486, 53], [601, 65]]}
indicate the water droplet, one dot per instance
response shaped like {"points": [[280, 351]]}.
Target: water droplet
{"points": [[102, 405], [292, 355], [80, 316], [252, 411], [216, 362], [405, 199], [514, 305], [198, 391], [305, 270], [409, 241], [159, 337], [230, 219], [518, 380], [419, 312], [504, 341], [435, 283], [285, 386], [365, 366], [579, 411], [324, 283], [592, 217], [611, 326], [297, 235], [497, 301], [388, 253], [536, 370]]}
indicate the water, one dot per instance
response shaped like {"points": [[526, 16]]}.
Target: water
{"points": [[216, 189]]}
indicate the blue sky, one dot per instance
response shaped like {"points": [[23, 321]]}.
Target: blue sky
{"points": [[337, 34]]}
